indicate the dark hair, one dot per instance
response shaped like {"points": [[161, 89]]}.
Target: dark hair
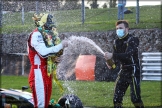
{"points": [[124, 22]]}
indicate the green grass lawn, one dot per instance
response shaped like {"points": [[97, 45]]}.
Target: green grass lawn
{"points": [[95, 20], [94, 93]]}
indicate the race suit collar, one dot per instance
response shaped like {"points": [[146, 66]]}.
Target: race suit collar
{"points": [[124, 36]]}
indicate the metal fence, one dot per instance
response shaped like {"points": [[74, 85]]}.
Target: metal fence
{"points": [[17, 12], [60, 10]]}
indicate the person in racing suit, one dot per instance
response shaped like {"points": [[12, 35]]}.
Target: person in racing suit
{"points": [[126, 52], [40, 48]]}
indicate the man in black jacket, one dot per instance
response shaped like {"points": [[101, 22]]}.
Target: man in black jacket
{"points": [[126, 52]]}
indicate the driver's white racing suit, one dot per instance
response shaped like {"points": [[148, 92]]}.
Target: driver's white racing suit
{"points": [[39, 81]]}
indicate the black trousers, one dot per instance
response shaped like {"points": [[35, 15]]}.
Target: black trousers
{"points": [[126, 78]]}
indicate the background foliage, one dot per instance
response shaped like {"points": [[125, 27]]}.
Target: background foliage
{"points": [[69, 19]]}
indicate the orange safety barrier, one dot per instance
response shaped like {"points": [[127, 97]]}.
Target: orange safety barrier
{"points": [[85, 67]]}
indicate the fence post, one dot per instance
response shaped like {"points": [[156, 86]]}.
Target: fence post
{"points": [[0, 16], [22, 14], [83, 12], [37, 10], [0, 36], [137, 12]]}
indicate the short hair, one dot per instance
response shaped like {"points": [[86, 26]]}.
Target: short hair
{"points": [[126, 24]]}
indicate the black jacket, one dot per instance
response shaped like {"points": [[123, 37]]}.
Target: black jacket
{"points": [[126, 51]]}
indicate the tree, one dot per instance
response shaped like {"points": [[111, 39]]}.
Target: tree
{"points": [[71, 4], [112, 3], [104, 5], [93, 4]]}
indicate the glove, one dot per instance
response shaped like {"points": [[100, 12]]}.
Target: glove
{"points": [[108, 55]]}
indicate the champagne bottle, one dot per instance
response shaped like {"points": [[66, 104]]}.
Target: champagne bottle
{"points": [[111, 63]]}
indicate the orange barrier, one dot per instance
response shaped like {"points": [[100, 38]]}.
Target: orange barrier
{"points": [[85, 67]]}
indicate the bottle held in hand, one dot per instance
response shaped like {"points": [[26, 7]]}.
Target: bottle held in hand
{"points": [[111, 63]]}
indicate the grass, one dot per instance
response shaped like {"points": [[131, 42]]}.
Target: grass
{"points": [[95, 20], [94, 93]]}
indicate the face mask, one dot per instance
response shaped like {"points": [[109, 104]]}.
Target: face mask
{"points": [[120, 33]]}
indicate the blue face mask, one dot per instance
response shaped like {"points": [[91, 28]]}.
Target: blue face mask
{"points": [[120, 33]]}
